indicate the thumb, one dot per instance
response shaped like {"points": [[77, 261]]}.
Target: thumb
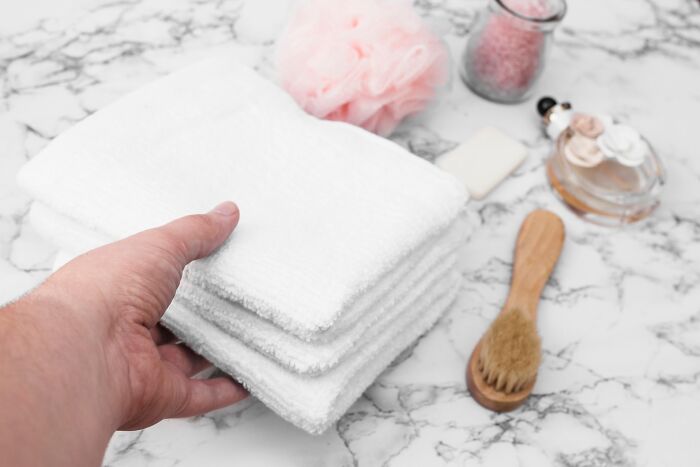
{"points": [[196, 236], [145, 269]]}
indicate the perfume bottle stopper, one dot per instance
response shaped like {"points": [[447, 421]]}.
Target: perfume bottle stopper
{"points": [[557, 116]]}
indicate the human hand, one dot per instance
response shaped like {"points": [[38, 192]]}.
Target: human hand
{"points": [[125, 288], [85, 348]]}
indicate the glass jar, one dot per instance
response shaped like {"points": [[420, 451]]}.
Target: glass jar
{"points": [[506, 51]]}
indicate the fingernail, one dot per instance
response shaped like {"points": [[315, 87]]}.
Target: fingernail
{"points": [[227, 208]]}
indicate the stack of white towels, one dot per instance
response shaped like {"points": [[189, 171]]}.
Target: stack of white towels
{"points": [[346, 248]]}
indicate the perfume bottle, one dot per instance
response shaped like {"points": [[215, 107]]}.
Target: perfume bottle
{"points": [[604, 170]]}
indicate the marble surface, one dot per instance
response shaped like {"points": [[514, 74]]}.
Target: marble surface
{"points": [[620, 319]]}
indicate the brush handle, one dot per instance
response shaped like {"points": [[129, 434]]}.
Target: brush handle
{"points": [[537, 249]]}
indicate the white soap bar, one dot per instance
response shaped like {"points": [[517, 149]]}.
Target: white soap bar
{"points": [[484, 160]]}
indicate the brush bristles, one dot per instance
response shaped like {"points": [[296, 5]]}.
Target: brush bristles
{"points": [[510, 352]]}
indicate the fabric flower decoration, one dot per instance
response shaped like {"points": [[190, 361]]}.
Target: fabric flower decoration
{"points": [[583, 151], [597, 138], [587, 125], [623, 143], [365, 62]]}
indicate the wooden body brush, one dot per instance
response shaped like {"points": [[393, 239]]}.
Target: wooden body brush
{"points": [[503, 366]]}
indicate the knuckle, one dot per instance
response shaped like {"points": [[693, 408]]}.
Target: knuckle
{"points": [[169, 245], [181, 401], [202, 223]]}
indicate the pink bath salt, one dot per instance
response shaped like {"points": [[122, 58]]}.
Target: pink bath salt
{"points": [[509, 50], [365, 62]]}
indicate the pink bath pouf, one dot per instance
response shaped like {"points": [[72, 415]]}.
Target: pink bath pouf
{"points": [[365, 62]]}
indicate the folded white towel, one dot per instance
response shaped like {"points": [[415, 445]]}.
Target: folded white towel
{"points": [[406, 277], [429, 278], [313, 357], [310, 402], [327, 209], [336, 223]]}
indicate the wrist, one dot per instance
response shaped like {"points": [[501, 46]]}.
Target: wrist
{"points": [[84, 334], [55, 356]]}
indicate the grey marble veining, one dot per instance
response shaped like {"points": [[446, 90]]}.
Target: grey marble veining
{"points": [[620, 319]]}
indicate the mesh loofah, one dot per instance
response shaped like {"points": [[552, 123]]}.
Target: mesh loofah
{"points": [[365, 62]]}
